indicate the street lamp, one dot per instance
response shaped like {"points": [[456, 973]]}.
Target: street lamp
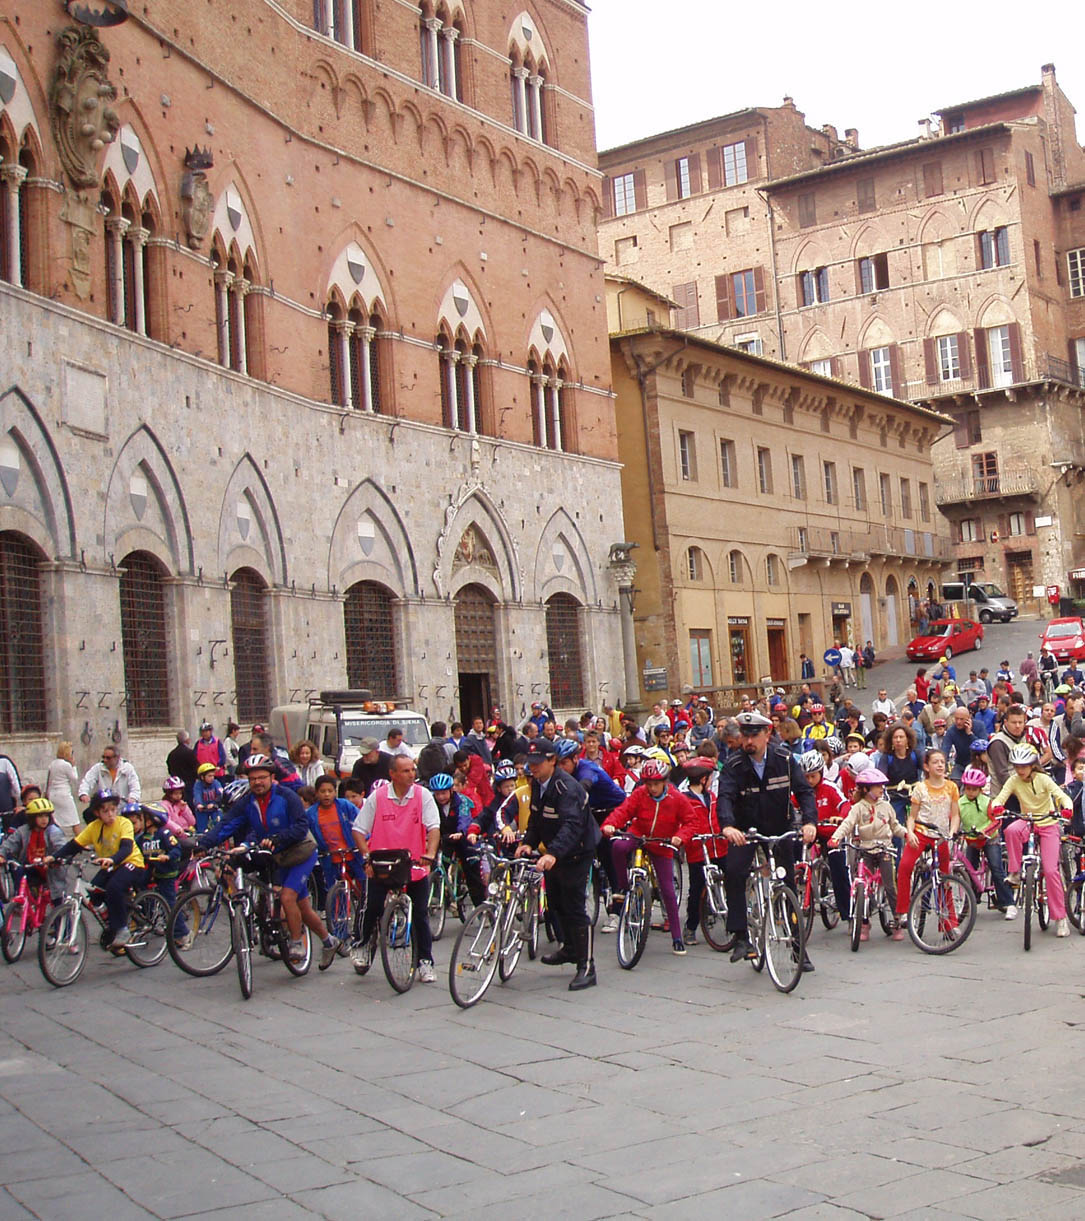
{"points": [[97, 12]]}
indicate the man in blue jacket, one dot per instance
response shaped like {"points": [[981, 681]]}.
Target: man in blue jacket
{"points": [[603, 796], [271, 816]]}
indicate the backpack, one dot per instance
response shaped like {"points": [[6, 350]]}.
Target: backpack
{"points": [[432, 759]]}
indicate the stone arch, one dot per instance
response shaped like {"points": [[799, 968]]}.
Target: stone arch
{"points": [[996, 311], [458, 309], [232, 223], [990, 214], [868, 240], [357, 274], [134, 157], [527, 42], [455, 567], [546, 340], [816, 346], [562, 562], [145, 508], [875, 334], [943, 321], [16, 105], [34, 493], [249, 534], [352, 88], [809, 255], [370, 542], [936, 226]]}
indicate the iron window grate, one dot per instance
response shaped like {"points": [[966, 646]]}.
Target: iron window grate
{"points": [[22, 654], [249, 628], [563, 647], [143, 633], [370, 632]]}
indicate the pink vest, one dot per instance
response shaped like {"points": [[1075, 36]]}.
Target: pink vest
{"points": [[208, 752], [400, 826]]}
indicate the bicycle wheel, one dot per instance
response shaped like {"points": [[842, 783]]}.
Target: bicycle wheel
{"points": [[437, 909], [339, 911], [239, 939], [531, 922], [397, 944], [461, 896], [148, 919], [205, 945], [595, 894], [679, 880], [62, 945], [1075, 905], [755, 922], [1041, 902], [885, 914], [830, 913], [714, 918], [941, 914], [282, 938], [783, 939], [475, 957], [858, 914], [634, 923], [512, 939], [1068, 870], [1029, 887], [13, 938]]}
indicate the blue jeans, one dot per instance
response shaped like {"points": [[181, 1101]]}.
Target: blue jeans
{"points": [[419, 892]]}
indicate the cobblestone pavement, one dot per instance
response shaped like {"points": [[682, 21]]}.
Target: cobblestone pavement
{"points": [[889, 1084]]}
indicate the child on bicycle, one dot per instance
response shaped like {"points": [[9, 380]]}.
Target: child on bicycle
{"points": [[832, 806], [1040, 799], [456, 817], [933, 819], [179, 817], [331, 820], [38, 838], [206, 795], [162, 851], [500, 819], [112, 838], [696, 786], [873, 823], [981, 834]]}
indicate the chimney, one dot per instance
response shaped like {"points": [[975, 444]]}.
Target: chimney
{"points": [[851, 138], [925, 129], [1048, 71], [829, 131], [789, 101]]}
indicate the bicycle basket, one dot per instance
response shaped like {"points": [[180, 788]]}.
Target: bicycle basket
{"points": [[391, 866]]}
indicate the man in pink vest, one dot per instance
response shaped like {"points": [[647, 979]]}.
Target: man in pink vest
{"points": [[400, 814], [210, 750]]}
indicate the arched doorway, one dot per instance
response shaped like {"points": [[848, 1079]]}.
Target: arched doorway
{"points": [[866, 608], [563, 650], [913, 604], [369, 623], [249, 628], [22, 650], [143, 637], [892, 611], [476, 652]]}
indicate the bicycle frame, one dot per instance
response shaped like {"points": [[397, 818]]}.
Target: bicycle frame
{"points": [[32, 907]]}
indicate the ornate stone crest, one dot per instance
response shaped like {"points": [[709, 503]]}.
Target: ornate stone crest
{"points": [[473, 549], [83, 119], [197, 202]]}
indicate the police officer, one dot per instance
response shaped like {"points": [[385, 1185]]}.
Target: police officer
{"points": [[755, 789], [560, 819]]}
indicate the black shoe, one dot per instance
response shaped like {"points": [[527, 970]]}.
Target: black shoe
{"points": [[558, 957], [742, 950], [584, 978], [807, 965]]}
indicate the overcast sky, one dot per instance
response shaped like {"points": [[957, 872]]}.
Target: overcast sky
{"points": [[877, 67]]}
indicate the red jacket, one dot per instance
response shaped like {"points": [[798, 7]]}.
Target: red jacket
{"points": [[707, 823], [478, 776], [673, 814]]}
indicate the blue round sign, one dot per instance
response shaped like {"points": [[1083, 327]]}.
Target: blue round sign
{"points": [[831, 657]]}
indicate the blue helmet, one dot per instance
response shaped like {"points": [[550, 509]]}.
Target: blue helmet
{"points": [[505, 773], [131, 807], [567, 748], [440, 783], [155, 812], [980, 744]]}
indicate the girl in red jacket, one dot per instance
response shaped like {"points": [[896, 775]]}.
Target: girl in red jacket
{"points": [[655, 809], [698, 771]]}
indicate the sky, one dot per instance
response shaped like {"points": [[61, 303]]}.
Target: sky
{"points": [[875, 67]]}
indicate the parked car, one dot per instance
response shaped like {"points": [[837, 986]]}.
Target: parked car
{"points": [[1065, 638], [990, 602], [944, 638]]}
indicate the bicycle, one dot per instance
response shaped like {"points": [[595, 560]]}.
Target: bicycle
{"points": [[712, 912], [256, 918], [346, 897], [398, 947], [1073, 879], [773, 915], [63, 938], [814, 885], [26, 911], [635, 921], [493, 938], [1032, 890], [868, 894], [942, 909], [204, 911]]}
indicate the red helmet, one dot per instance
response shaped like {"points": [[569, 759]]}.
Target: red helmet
{"points": [[654, 769]]}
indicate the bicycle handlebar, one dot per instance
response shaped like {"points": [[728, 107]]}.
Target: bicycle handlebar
{"points": [[756, 837]]}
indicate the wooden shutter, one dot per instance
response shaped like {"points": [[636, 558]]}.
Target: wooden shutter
{"points": [[932, 179], [800, 299], [725, 309], [320, 16], [1075, 367], [640, 190], [866, 378], [695, 173], [964, 357], [608, 196], [834, 366], [1003, 526], [960, 431], [896, 371], [1030, 522], [753, 170], [759, 295], [1017, 363], [983, 364], [979, 251], [712, 160], [930, 360], [859, 277], [670, 177]]}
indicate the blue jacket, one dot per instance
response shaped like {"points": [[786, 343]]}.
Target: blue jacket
{"points": [[285, 824], [603, 793], [206, 796], [347, 814], [983, 722], [456, 816]]}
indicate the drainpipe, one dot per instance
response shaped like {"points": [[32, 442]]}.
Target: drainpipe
{"points": [[775, 280]]}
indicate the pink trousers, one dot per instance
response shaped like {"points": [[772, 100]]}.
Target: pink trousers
{"points": [[1016, 835]]}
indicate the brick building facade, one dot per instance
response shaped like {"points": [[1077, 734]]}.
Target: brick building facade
{"points": [[310, 384]]}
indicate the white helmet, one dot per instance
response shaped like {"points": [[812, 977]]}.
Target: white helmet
{"points": [[1023, 754], [812, 761], [858, 762]]}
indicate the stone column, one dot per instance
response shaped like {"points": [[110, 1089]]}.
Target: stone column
{"points": [[433, 51], [13, 177], [555, 409], [450, 34], [538, 392], [241, 287], [522, 120], [535, 125], [138, 238], [367, 335], [452, 359], [471, 360], [343, 332], [624, 570], [117, 227], [347, 31], [223, 281]]}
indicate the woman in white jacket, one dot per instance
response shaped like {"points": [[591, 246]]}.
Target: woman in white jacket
{"points": [[61, 782]]}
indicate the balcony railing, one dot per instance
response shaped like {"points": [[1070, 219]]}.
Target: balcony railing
{"points": [[1056, 370], [963, 488], [855, 546], [1044, 368]]}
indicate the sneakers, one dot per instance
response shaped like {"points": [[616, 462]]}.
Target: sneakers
{"points": [[426, 973], [897, 934], [297, 951], [678, 946], [328, 953], [185, 942], [610, 924], [1011, 913], [361, 954], [690, 936], [121, 938], [1062, 927]]}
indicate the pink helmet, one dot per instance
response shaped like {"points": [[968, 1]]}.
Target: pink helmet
{"points": [[871, 775], [974, 778]]}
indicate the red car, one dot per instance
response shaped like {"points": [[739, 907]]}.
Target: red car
{"points": [[1065, 638], [945, 637]]}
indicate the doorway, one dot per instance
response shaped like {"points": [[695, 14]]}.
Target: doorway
{"points": [[476, 652], [777, 637], [739, 636], [474, 697], [866, 608], [1019, 572], [892, 635]]}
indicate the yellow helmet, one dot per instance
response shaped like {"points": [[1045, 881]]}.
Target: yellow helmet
{"points": [[40, 805]]}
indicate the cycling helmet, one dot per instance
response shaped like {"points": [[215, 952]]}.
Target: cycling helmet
{"points": [[654, 769], [835, 745], [235, 789], [811, 761], [1036, 735], [39, 805], [1023, 754], [871, 775], [973, 778], [205, 725], [505, 773], [635, 749], [174, 784], [256, 763], [204, 768], [29, 787], [858, 762], [132, 807], [567, 748], [103, 797], [440, 783], [979, 745], [155, 812]]}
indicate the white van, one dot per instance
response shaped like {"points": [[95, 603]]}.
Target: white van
{"points": [[988, 600], [338, 720]]}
